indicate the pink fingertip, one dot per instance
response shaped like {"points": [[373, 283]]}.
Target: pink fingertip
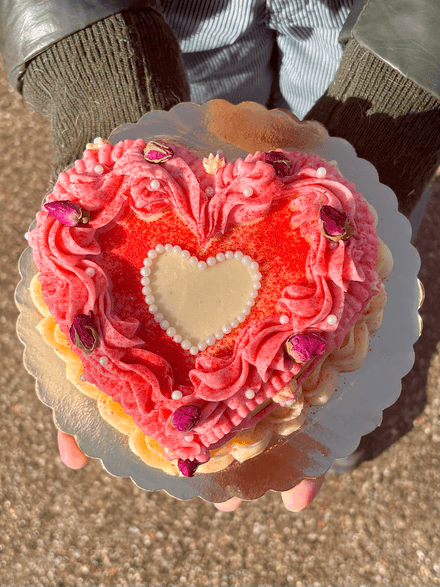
{"points": [[70, 453], [230, 505], [302, 495]]}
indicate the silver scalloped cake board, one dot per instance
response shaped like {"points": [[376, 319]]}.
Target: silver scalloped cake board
{"points": [[330, 431]]}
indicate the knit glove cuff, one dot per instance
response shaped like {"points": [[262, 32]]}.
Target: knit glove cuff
{"points": [[109, 73], [390, 120]]}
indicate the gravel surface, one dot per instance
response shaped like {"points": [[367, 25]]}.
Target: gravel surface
{"points": [[375, 526]]}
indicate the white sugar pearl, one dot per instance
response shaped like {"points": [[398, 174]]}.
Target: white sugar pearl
{"points": [[234, 323], [185, 344], [241, 318], [193, 260], [177, 250], [254, 266], [150, 300], [145, 271], [246, 260], [160, 248], [158, 317], [154, 184], [284, 319], [26, 235], [249, 393], [331, 319], [256, 285], [97, 140], [290, 402], [229, 255], [201, 345], [211, 261], [83, 377], [168, 247], [253, 294], [257, 276], [219, 334], [171, 332], [194, 350], [164, 324], [90, 272], [148, 262], [226, 328], [98, 169], [209, 191], [153, 309], [146, 290], [185, 254], [247, 192], [152, 254], [103, 361], [201, 265], [238, 255], [176, 394], [145, 281], [245, 311], [250, 302], [210, 340], [220, 257], [321, 172], [190, 437], [177, 338]]}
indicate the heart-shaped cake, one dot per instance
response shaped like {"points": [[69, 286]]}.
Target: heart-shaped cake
{"points": [[201, 294]]}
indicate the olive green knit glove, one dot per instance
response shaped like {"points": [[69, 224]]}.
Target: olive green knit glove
{"points": [[109, 73], [389, 119]]}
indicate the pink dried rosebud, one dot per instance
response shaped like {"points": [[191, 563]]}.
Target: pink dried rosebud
{"points": [[186, 418], [187, 467], [334, 223], [83, 333], [280, 162], [304, 347], [68, 213], [156, 152]]}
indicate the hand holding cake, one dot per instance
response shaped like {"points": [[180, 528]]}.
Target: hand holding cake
{"points": [[196, 389], [296, 499]]}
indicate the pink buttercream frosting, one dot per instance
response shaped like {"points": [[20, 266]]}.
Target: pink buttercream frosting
{"points": [[341, 280]]}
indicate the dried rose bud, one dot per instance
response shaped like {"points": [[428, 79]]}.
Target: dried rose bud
{"points": [[303, 347], [334, 223], [280, 162], [156, 152], [186, 418], [83, 333], [68, 213], [187, 467]]}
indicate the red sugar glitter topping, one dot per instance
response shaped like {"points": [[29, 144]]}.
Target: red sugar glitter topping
{"points": [[125, 247]]}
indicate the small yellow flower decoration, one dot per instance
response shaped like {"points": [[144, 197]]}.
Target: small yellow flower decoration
{"points": [[213, 164], [97, 144]]}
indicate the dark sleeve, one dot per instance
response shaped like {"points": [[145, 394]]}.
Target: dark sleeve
{"points": [[29, 27], [385, 102], [403, 34]]}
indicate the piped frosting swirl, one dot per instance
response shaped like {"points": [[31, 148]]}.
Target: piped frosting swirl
{"points": [[341, 280]]}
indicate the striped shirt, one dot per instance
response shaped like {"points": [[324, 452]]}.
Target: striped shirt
{"points": [[242, 50]]}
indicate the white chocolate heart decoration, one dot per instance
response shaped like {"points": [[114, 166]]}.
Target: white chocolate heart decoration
{"points": [[199, 302]]}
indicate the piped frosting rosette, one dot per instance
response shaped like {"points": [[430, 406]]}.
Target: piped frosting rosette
{"points": [[111, 182]]}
